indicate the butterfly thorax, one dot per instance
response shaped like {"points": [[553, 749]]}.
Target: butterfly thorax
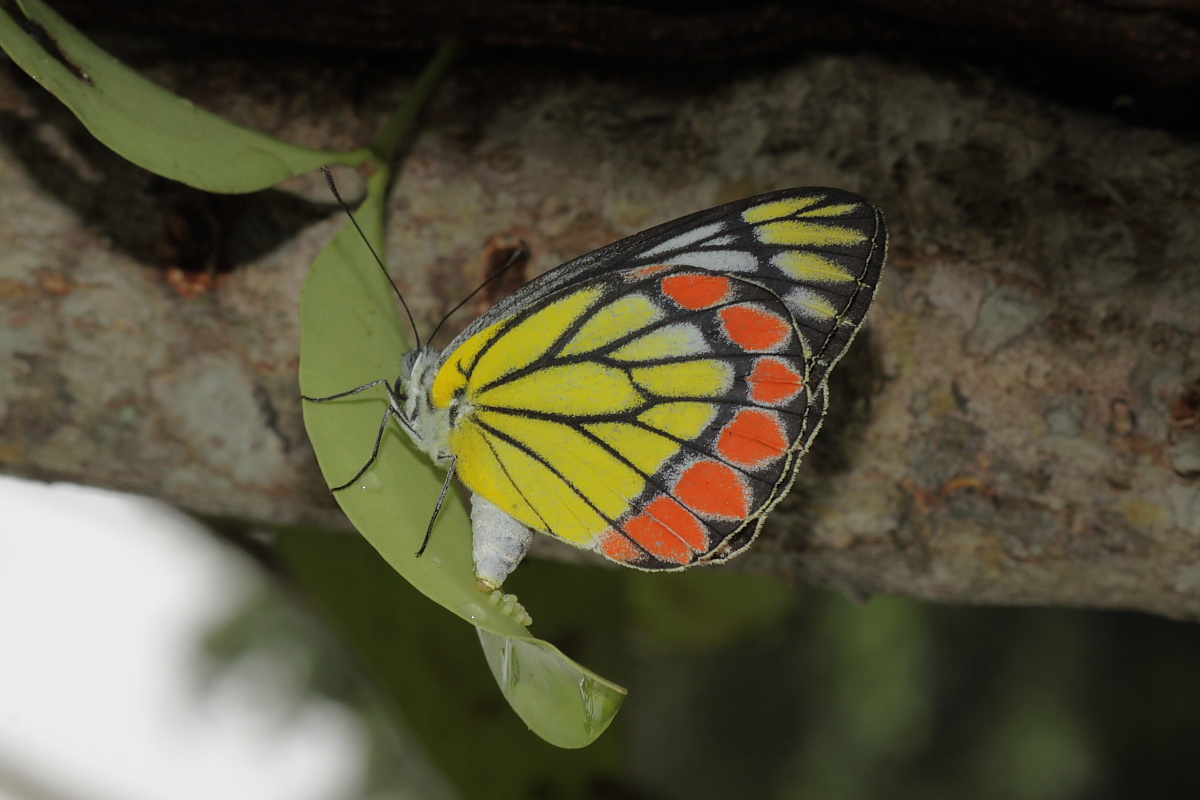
{"points": [[426, 424]]}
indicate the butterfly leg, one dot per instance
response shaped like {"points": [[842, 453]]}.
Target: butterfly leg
{"points": [[393, 405], [499, 542], [355, 390], [437, 508], [374, 451]]}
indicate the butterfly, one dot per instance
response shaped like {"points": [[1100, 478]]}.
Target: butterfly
{"points": [[652, 399]]}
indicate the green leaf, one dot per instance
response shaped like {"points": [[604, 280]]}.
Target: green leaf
{"points": [[559, 700], [350, 335], [145, 123], [425, 672]]}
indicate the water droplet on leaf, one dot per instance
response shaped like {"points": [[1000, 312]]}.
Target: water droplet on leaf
{"points": [[472, 611]]}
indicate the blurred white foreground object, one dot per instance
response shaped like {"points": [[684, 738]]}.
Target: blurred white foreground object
{"points": [[104, 600]]}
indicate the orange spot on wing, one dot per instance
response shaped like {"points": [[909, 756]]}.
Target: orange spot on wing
{"points": [[618, 548], [668, 531], [752, 438], [696, 291], [753, 328], [772, 381], [713, 489], [645, 272], [658, 540]]}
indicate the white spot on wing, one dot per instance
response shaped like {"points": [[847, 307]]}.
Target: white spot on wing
{"points": [[808, 303], [686, 238], [715, 260]]}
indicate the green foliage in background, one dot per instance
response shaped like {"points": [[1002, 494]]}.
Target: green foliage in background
{"points": [[802, 696]]}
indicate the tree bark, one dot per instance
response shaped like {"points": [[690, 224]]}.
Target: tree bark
{"points": [[1020, 422]]}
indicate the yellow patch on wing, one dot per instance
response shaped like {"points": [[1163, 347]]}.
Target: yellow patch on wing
{"points": [[812, 234], [611, 321], [573, 483], [480, 470], [599, 475], [523, 487], [780, 208], [700, 378], [644, 449], [839, 210], [680, 339], [451, 377], [805, 266], [560, 510], [683, 420], [581, 389], [523, 343]]}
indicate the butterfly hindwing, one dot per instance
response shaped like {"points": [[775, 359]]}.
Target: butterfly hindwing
{"points": [[651, 400]]}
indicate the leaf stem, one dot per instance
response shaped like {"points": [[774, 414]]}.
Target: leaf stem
{"points": [[388, 140]]}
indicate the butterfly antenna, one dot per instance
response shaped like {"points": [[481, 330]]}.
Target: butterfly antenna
{"points": [[333, 188], [512, 260]]}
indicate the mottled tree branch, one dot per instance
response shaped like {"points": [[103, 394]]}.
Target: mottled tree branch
{"points": [[1019, 424]]}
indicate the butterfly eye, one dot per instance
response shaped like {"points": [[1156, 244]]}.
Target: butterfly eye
{"points": [[406, 364]]}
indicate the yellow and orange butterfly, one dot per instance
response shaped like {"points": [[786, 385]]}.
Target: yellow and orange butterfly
{"points": [[649, 400]]}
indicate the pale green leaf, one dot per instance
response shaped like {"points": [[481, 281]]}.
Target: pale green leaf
{"points": [[145, 123]]}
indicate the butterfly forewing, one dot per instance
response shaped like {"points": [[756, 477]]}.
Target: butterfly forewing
{"points": [[651, 400]]}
